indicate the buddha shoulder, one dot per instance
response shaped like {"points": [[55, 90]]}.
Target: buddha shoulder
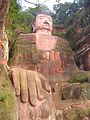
{"points": [[62, 44], [27, 38]]}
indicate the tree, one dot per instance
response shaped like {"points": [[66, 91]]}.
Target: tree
{"points": [[71, 36], [61, 11], [66, 12], [12, 18], [3, 13], [84, 3]]}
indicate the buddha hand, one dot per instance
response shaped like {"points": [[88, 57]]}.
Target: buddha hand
{"points": [[33, 89]]}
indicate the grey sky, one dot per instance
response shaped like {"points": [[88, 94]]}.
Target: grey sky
{"points": [[49, 3]]}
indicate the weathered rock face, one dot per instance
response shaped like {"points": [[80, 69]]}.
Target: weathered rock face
{"points": [[73, 101], [33, 95], [79, 110], [75, 91], [42, 111], [8, 102], [55, 63], [2, 59]]}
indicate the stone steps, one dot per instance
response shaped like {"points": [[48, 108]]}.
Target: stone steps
{"points": [[72, 101], [72, 110]]}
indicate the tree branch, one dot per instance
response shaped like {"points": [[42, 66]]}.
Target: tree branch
{"points": [[44, 2], [35, 3], [31, 3]]}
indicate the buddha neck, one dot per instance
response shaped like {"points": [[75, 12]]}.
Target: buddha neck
{"points": [[43, 31]]}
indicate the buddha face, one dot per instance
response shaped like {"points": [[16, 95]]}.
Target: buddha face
{"points": [[43, 22]]}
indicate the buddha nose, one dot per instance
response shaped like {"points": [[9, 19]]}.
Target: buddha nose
{"points": [[46, 21]]}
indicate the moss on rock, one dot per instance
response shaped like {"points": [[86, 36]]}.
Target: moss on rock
{"points": [[75, 91], [80, 77], [76, 114], [8, 103]]}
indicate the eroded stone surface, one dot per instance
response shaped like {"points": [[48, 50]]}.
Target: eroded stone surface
{"points": [[56, 62], [45, 42], [33, 94], [28, 112], [73, 110], [74, 91]]}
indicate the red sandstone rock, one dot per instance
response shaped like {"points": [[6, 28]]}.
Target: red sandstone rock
{"points": [[33, 95], [43, 24], [45, 42], [2, 59]]}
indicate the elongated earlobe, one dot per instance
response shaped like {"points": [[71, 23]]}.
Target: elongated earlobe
{"points": [[34, 26]]}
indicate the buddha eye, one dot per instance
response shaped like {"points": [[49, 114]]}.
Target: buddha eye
{"points": [[50, 20], [41, 18]]}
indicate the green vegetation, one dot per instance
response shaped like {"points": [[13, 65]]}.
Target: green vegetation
{"points": [[59, 34], [12, 20], [80, 77], [66, 12], [4, 97], [12, 52], [74, 16], [76, 114], [8, 103], [71, 36]]}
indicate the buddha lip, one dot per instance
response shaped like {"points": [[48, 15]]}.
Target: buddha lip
{"points": [[46, 24]]}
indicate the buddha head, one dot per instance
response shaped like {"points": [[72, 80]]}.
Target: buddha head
{"points": [[43, 24]]}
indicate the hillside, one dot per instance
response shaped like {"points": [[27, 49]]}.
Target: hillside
{"points": [[78, 34], [75, 19]]}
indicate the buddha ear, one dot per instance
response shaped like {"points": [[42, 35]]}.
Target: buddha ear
{"points": [[34, 26]]}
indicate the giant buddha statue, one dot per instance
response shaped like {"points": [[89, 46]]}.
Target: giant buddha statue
{"points": [[41, 51], [49, 55]]}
